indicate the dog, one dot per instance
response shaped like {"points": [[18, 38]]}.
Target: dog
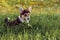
{"points": [[23, 17]]}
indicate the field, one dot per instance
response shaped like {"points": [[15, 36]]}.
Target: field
{"points": [[44, 22], [43, 27]]}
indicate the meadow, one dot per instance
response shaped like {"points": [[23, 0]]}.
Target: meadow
{"points": [[44, 21], [43, 27]]}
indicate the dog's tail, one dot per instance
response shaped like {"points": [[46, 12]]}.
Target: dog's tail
{"points": [[7, 20]]}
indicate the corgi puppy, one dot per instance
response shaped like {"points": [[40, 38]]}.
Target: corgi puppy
{"points": [[23, 17]]}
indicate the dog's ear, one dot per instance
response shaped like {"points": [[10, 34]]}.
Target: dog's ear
{"points": [[30, 8], [21, 9]]}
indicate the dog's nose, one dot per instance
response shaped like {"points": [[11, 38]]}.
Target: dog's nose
{"points": [[25, 15]]}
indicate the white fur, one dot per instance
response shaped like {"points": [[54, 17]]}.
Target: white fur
{"points": [[8, 18], [20, 19], [27, 20]]}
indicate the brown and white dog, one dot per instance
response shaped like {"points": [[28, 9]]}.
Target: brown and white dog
{"points": [[24, 17]]}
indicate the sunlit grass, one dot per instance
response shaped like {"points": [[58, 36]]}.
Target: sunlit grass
{"points": [[43, 27]]}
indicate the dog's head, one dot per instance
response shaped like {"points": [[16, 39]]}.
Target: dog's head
{"points": [[25, 12]]}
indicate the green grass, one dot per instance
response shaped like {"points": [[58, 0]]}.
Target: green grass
{"points": [[43, 27]]}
